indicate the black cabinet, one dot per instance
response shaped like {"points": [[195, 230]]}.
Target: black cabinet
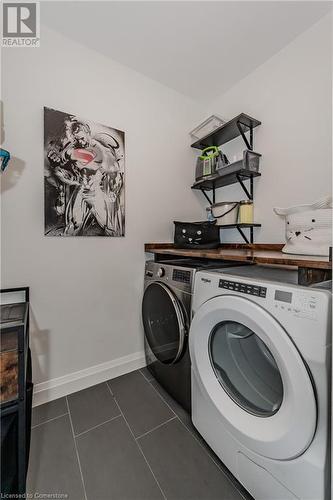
{"points": [[15, 390]]}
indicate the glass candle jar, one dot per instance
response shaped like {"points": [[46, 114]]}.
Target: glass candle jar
{"points": [[245, 213]]}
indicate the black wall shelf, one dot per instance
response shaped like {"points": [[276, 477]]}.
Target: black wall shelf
{"points": [[213, 182], [241, 225], [217, 181], [240, 228], [236, 127]]}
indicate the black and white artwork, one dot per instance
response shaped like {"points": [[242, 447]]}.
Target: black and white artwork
{"points": [[84, 177]]}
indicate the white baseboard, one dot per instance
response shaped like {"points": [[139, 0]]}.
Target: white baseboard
{"points": [[73, 382]]}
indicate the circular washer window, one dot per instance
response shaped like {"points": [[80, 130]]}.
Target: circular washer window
{"points": [[245, 368], [163, 323]]}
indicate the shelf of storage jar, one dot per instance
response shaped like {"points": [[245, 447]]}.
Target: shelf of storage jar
{"points": [[215, 181]]}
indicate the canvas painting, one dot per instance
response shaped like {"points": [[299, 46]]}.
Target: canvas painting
{"points": [[84, 177]]}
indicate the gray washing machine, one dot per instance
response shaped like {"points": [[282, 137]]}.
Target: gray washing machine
{"points": [[166, 309]]}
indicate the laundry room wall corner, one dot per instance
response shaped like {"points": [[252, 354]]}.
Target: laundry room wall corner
{"points": [[291, 94], [86, 292]]}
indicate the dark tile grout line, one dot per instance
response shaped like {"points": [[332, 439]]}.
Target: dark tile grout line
{"points": [[148, 379], [77, 452], [156, 427], [96, 426], [49, 420], [137, 443], [194, 436]]}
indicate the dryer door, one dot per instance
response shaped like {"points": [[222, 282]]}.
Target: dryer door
{"points": [[250, 369], [163, 322]]}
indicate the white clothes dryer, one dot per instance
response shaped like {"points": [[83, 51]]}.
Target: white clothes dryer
{"points": [[260, 348]]}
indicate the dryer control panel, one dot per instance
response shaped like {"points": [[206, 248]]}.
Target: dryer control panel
{"points": [[259, 291], [303, 305]]}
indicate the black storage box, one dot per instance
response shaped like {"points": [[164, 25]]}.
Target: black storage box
{"points": [[197, 235]]}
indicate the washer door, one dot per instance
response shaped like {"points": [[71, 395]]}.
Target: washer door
{"points": [[249, 368], [163, 322]]}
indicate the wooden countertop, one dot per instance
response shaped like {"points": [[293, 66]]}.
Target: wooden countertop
{"points": [[258, 253]]}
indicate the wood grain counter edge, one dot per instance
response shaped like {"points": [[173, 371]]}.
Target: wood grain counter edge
{"points": [[261, 253]]}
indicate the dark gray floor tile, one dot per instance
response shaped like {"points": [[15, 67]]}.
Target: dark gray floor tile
{"points": [[176, 407], [91, 407], [141, 405], [146, 373], [186, 420], [113, 466], [53, 464], [182, 415], [47, 411], [183, 468]]}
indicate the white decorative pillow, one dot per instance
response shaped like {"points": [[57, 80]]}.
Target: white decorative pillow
{"points": [[308, 228]]}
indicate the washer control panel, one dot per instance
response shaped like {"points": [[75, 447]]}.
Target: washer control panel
{"points": [[259, 291], [181, 276]]}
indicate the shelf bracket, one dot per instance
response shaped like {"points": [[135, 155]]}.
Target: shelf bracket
{"points": [[207, 197], [248, 144], [243, 235], [248, 193]]}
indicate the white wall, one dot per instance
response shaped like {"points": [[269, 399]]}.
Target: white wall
{"points": [[86, 292], [291, 94]]}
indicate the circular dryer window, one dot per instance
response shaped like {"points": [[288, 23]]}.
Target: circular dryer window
{"points": [[163, 322], [246, 368]]}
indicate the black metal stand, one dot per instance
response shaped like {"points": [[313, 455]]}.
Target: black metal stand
{"points": [[16, 440]]}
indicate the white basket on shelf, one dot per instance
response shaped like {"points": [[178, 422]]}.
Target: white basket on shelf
{"points": [[308, 228], [206, 127]]}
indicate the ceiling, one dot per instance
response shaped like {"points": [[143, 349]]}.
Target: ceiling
{"points": [[199, 48]]}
